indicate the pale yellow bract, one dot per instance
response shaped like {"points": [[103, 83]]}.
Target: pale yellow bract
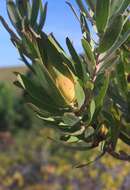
{"points": [[66, 87]]}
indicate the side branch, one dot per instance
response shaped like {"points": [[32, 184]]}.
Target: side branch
{"points": [[120, 156], [12, 34]]}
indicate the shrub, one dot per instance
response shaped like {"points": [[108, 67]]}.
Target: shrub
{"points": [[72, 94], [14, 115]]}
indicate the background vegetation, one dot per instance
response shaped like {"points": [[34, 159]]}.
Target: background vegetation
{"points": [[29, 161], [99, 77]]}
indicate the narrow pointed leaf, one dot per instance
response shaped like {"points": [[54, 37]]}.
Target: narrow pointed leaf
{"points": [[38, 111], [102, 93], [35, 11], [81, 6], [48, 84], [30, 47], [70, 119], [23, 7], [89, 132], [124, 6], [80, 96], [37, 94], [114, 128], [121, 79], [125, 138], [78, 146], [118, 44], [13, 14], [55, 58], [76, 59], [111, 34], [63, 56], [84, 27], [89, 54], [92, 4], [43, 14], [92, 109], [119, 6], [115, 6], [102, 14]]}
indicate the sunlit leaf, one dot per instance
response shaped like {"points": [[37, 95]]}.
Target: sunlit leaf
{"points": [[102, 14]]}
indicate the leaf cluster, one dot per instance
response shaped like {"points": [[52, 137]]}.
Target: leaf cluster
{"points": [[99, 114]]}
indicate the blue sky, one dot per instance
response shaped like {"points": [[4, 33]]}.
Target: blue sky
{"points": [[60, 21]]}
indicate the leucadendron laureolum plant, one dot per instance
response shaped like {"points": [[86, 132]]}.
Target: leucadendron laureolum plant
{"points": [[86, 98]]}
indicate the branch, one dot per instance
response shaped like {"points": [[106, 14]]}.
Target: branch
{"points": [[120, 156], [9, 30]]}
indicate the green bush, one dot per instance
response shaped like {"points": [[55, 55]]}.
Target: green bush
{"points": [[72, 94], [14, 115], [7, 112]]}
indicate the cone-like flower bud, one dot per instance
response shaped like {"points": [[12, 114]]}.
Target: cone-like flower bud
{"points": [[66, 87], [64, 83], [103, 131]]}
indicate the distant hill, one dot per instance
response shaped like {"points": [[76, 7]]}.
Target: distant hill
{"points": [[7, 74]]}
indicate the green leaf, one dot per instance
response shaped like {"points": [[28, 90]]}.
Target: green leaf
{"points": [[43, 13], [42, 47], [92, 4], [54, 56], [70, 119], [92, 109], [121, 79], [102, 14], [108, 64], [88, 51], [39, 97], [31, 48], [53, 40], [125, 138], [112, 34], [124, 6], [126, 27], [80, 96], [76, 59], [115, 6], [48, 84], [84, 27], [72, 139], [89, 54], [119, 6], [81, 6], [29, 10], [114, 128], [35, 11], [102, 92], [25, 60], [13, 14], [24, 8], [39, 111], [113, 93], [78, 147], [117, 44], [89, 132], [63, 56]]}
